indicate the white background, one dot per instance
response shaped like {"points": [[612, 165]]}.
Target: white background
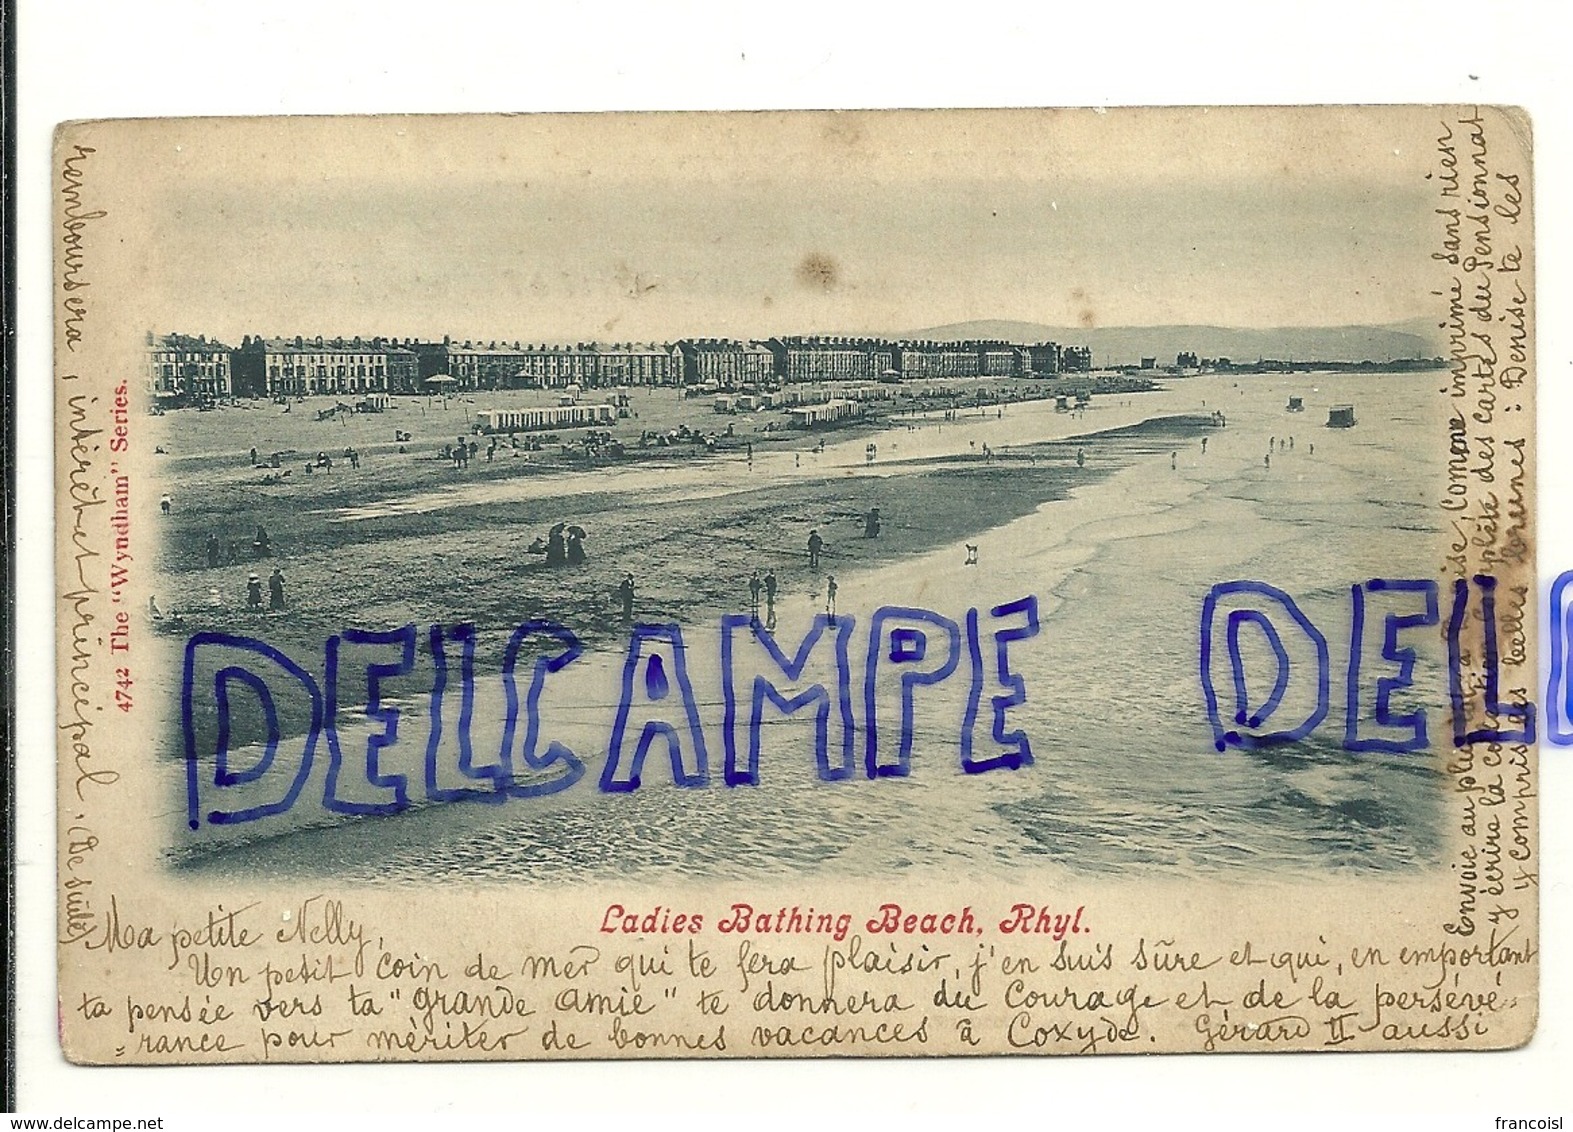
{"points": [[91, 58]]}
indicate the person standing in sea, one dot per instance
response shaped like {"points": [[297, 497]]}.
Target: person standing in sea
{"points": [[815, 545]]}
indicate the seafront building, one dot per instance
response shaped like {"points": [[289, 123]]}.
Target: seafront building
{"points": [[500, 365], [304, 367], [1045, 358], [725, 362], [180, 368], [797, 359], [637, 363], [1076, 359], [937, 359]]}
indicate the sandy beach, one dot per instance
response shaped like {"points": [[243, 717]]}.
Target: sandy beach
{"points": [[398, 538]]}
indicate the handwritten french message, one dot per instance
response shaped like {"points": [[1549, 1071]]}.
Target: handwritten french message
{"points": [[1482, 211]]}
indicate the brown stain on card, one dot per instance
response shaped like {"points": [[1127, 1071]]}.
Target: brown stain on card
{"points": [[819, 271], [1087, 317]]}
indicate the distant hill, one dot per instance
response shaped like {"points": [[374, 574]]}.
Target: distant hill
{"points": [[1120, 345]]}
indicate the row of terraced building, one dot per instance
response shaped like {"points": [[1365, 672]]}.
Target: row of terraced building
{"points": [[180, 367]]}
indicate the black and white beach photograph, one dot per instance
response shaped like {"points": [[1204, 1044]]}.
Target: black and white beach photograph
{"points": [[588, 392]]}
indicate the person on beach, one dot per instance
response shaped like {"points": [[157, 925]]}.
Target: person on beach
{"points": [[276, 589], [625, 592], [1267, 460], [254, 593], [165, 503], [1204, 446], [575, 546], [214, 549], [830, 598], [755, 585], [556, 551], [770, 598], [1174, 461], [253, 457], [815, 545], [259, 543]]}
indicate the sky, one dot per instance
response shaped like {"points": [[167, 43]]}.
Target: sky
{"points": [[622, 228]]}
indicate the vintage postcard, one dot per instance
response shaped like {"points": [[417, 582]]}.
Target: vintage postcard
{"points": [[804, 584]]}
